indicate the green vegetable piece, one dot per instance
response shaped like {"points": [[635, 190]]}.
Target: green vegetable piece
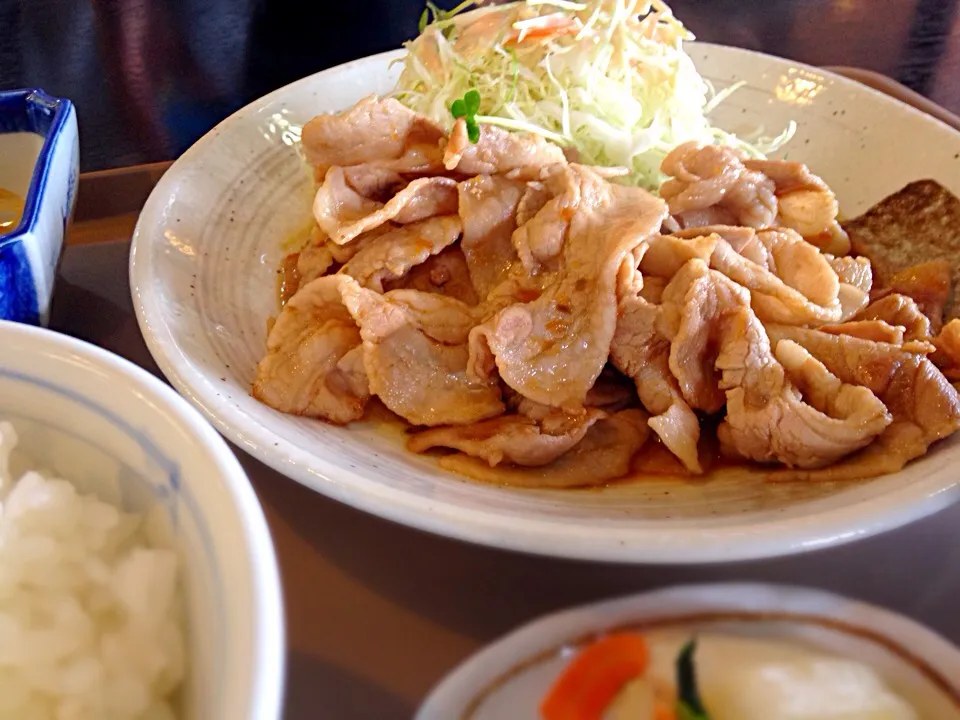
{"points": [[424, 20], [472, 102], [459, 109], [473, 131], [689, 705]]}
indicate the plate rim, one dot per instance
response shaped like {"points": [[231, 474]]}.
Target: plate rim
{"points": [[893, 626], [640, 545]]}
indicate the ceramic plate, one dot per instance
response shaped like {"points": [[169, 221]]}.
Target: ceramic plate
{"points": [[203, 272], [510, 677]]}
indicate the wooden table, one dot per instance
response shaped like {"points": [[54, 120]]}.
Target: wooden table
{"points": [[377, 612]]}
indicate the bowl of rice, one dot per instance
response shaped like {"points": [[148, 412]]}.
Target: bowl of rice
{"points": [[137, 574]]}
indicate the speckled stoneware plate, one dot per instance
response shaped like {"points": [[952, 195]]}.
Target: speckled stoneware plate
{"points": [[203, 267], [509, 678]]}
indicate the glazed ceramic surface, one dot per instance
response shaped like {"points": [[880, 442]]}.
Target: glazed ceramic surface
{"points": [[117, 431], [39, 160], [509, 678], [203, 272]]}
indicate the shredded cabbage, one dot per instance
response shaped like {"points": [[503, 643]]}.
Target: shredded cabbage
{"points": [[609, 78]]}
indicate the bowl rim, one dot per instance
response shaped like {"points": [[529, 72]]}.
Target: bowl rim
{"points": [[29, 102], [756, 540], [885, 627], [267, 684]]}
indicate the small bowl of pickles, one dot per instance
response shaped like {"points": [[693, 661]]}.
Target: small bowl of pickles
{"points": [[39, 164]]}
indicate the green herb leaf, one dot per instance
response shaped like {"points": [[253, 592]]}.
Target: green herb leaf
{"points": [[473, 131], [467, 108], [424, 20], [472, 102], [689, 705]]}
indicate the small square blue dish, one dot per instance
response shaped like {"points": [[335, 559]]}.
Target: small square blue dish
{"points": [[39, 164]]}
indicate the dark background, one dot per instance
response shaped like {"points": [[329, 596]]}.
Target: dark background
{"points": [[150, 77]]}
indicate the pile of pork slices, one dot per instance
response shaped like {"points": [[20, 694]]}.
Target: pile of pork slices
{"points": [[541, 320]]}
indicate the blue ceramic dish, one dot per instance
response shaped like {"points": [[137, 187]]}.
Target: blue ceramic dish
{"points": [[39, 160]]}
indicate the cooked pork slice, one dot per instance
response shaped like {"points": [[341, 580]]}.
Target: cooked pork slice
{"points": [[374, 181], [392, 254], [314, 261], [488, 210], [515, 439], [641, 353], [929, 284], [535, 196], [876, 330], [373, 131], [343, 214], [666, 254], [301, 373], [705, 177], [415, 355], [499, 152], [902, 311], [740, 238], [910, 385], [553, 348], [805, 203], [947, 356], [855, 271], [539, 241], [918, 224], [445, 274], [786, 406], [773, 299], [696, 306], [604, 454], [801, 265]]}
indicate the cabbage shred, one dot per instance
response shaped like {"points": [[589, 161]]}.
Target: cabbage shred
{"points": [[609, 78]]}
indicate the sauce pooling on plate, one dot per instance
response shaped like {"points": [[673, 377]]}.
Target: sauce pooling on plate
{"points": [[11, 210]]}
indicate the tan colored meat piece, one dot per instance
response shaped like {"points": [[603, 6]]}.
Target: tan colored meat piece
{"points": [[924, 405], [488, 209], [343, 214], [374, 130], [902, 311], [947, 356], [696, 306], [710, 176], [642, 353], [876, 330], [742, 239], [514, 439], [445, 274], [791, 409], [773, 299], [415, 355], [805, 204], [499, 152], [314, 261], [603, 455], [392, 254], [929, 284], [553, 348], [302, 372], [666, 254]]}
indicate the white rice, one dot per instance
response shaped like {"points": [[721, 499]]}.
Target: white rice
{"points": [[89, 614]]}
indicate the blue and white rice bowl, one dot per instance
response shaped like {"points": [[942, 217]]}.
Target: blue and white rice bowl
{"points": [[115, 430]]}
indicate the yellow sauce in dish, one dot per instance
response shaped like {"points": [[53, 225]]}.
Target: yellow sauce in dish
{"points": [[11, 210]]}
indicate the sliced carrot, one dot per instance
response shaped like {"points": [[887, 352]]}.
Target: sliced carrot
{"points": [[663, 711], [592, 680], [544, 27]]}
